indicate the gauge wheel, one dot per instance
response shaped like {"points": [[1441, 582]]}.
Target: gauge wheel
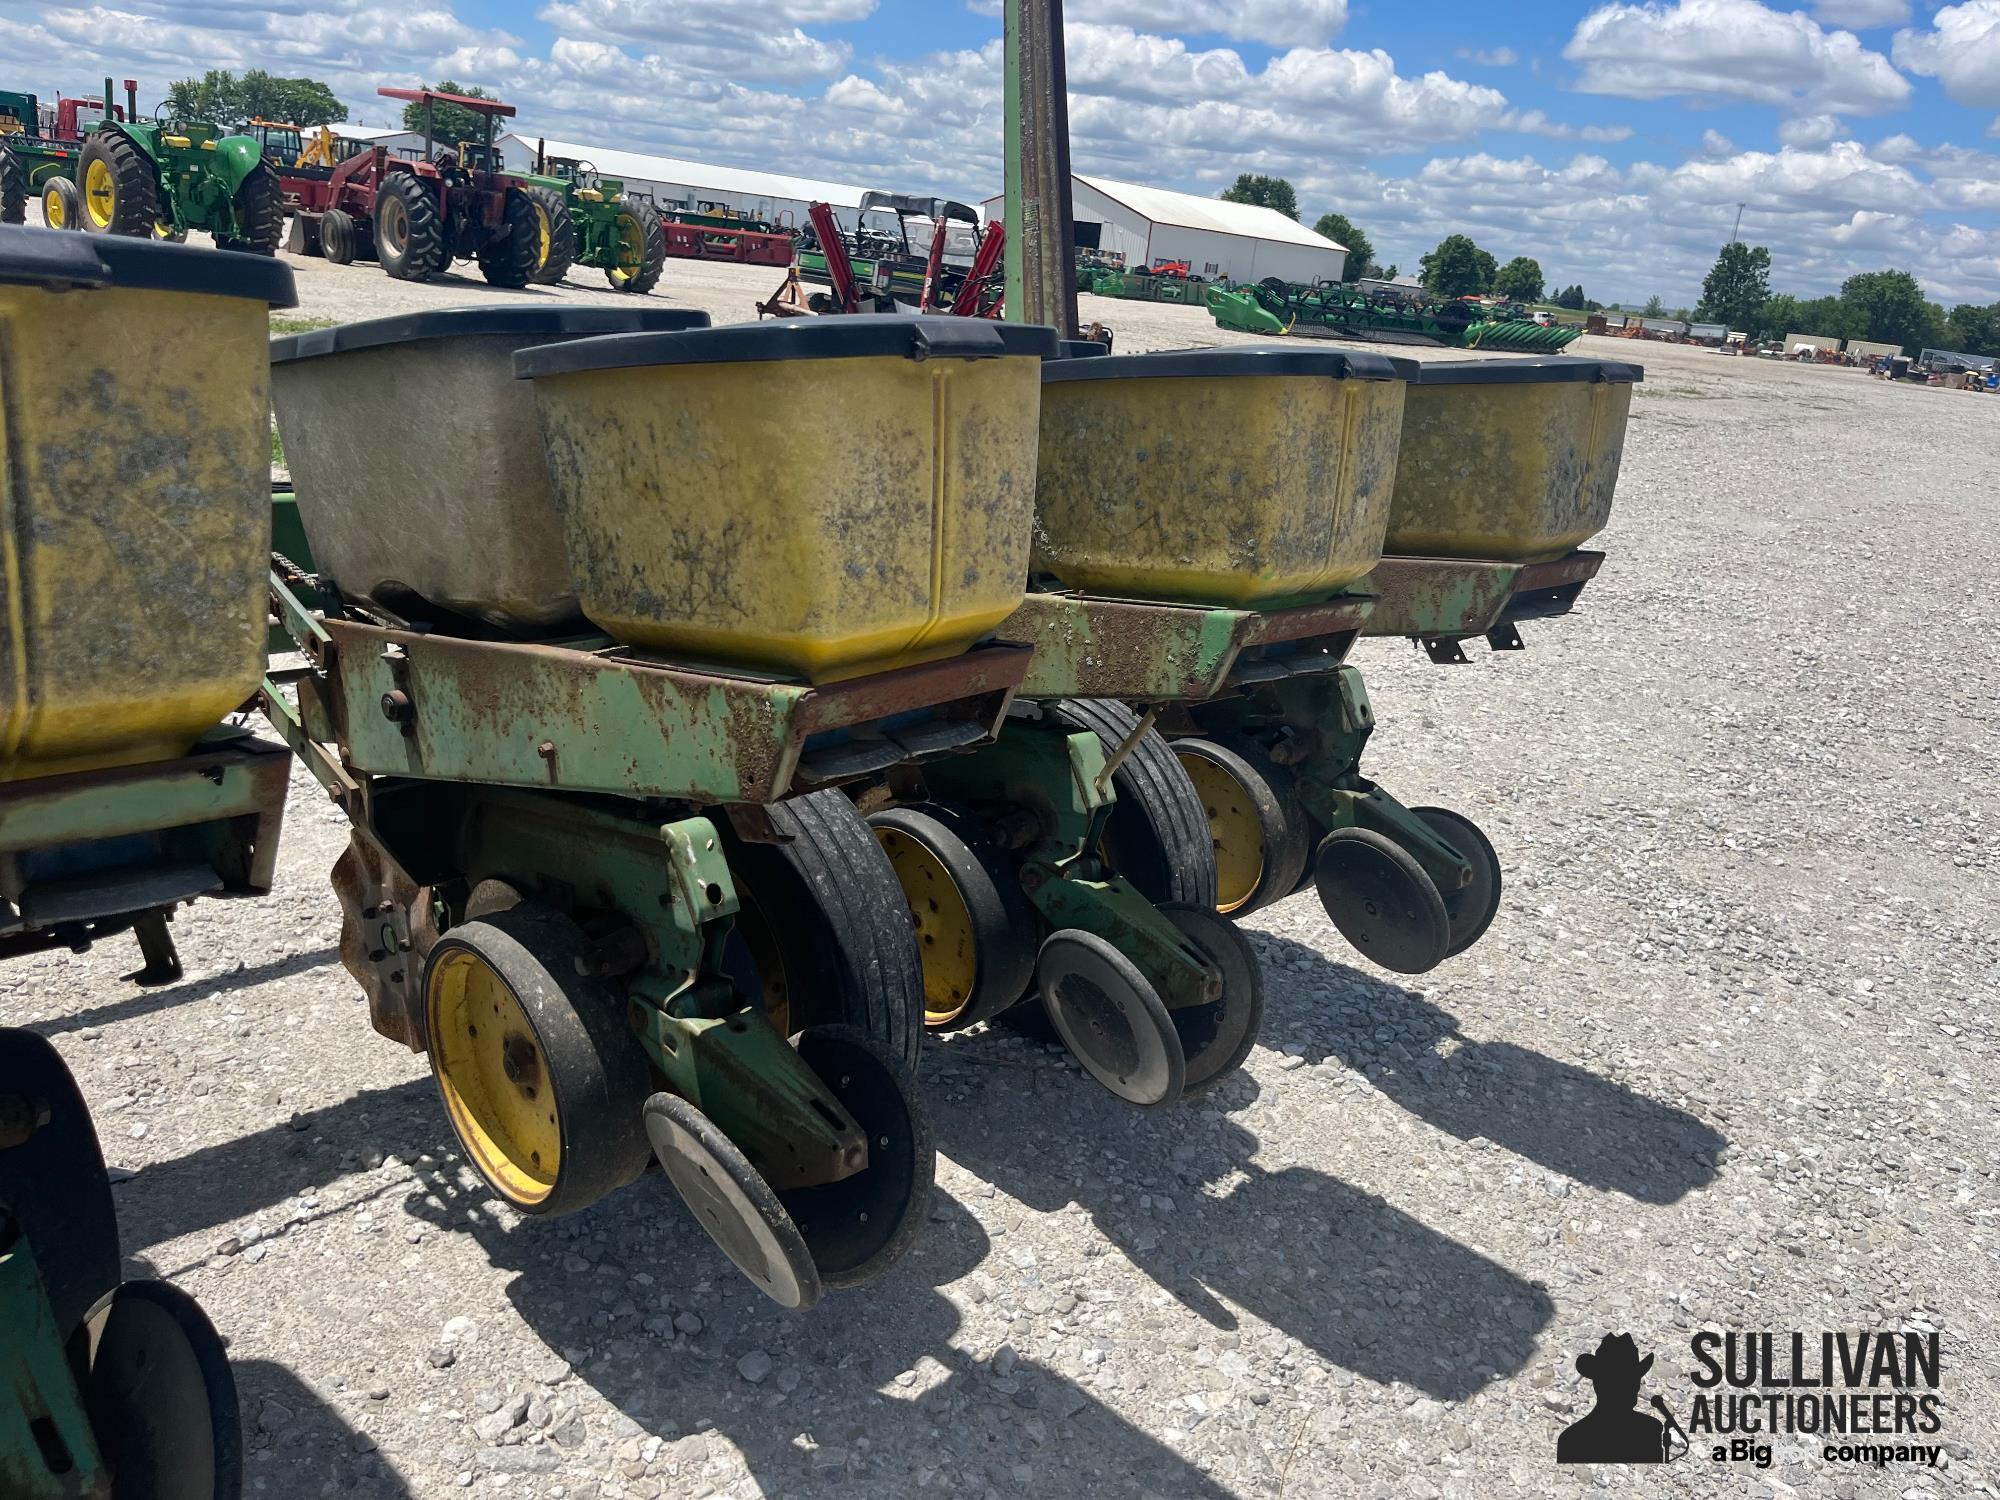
{"points": [[543, 1080], [975, 929], [1259, 829]]}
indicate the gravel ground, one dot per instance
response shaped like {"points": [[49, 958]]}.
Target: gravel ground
{"points": [[1726, 1059]]}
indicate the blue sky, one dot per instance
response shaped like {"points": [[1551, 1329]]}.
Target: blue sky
{"points": [[1612, 142]]}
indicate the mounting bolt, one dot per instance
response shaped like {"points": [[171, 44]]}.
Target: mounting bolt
{"points": [[397, 708]]}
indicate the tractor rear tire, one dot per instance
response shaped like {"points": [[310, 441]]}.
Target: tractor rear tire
{"points": [[513, 260], [652, 237], [336, 237], [260, 213], [13, 189], [555, 235], [409, 231], [120, 185], [62, 204]]}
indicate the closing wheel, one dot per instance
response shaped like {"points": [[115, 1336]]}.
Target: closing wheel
{"points": [[1216, 1037], [858, 1227], [541, 1076], [824, 933], [160, 1397], [1254, 820], [1111, 1018], [732, 1201], [1470, 909], [1157, 836], [975, 929], [1382, 900]]}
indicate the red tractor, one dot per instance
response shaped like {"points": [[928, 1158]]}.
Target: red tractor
{"points": [[417, 217]]}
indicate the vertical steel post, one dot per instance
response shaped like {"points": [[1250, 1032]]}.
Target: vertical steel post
{"points": [[1041, 266]]}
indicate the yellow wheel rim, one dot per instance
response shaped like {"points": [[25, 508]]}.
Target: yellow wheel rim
{"points": [[52, 209], [631, 254], [494, 1077], [945, 937], [543, 235], [100, 193], [1234, 826]]}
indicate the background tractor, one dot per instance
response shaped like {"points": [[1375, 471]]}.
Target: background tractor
{"points": [[599, 224], [159, 179], [457, 203]]}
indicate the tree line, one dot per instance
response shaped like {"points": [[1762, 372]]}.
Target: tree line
{"points": [[1885, 307], [226, 98]]}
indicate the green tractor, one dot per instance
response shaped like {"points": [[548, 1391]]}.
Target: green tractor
{"points": [[159, 179], [590, 220]]}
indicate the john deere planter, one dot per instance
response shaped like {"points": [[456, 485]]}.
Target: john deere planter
{"points": [[607, 866], [122, 790]]}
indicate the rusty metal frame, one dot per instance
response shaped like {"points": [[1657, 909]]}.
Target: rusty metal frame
{"points": [[1441, 601]]}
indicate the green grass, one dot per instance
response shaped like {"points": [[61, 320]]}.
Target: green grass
{"points": [[301, 325]]}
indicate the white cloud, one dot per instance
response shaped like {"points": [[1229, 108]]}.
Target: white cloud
{"points": [[1715, 143], [1489, 57], [1276, 23], [1534, 122], [1732, 49], [1859, 15], [1961, 50], [1808, 130]]}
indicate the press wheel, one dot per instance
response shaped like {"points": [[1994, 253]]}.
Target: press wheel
{"points": [[539, 1073], [1382, 900], [823, 934], [858, 1227], [1216, 1037], [1254, 820], [1111, 1018], [975, 929], [160, 1397], [1157, 836], [1470, 909], [732, 1201]]}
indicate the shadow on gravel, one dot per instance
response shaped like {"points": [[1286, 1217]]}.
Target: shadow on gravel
{"points": [[295, 1443], [1359, 1281], [1566, 1118], [831, 1418], [144, 1002], [220, 1184]]}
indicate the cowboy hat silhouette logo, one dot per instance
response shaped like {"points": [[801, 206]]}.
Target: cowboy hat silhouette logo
{"points": [[1611, 1432]]}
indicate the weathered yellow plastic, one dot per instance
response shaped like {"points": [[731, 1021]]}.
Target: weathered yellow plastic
{"points": [[1232, 492], [814, 518], [134, 522], [1515, 473]]}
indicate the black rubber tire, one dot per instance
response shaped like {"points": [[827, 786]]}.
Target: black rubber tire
{"points": [[409, 231], [858, 1227], [1158, 835], [596, 1063], [1005, 929], [1217, 1037], [72, 201], [512, 260], [1128, 1042], [1470, 910], [336, 237], [13, 189], [160, 1395], [1383, 901], [260, 213], [135, 183], [1284, 784], [1264, 791], [823, 923], [653, 263], [562, 236]]}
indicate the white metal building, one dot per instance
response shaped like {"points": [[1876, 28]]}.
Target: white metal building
{"points": [[1147, 225], [400, 142], [669, 180]]}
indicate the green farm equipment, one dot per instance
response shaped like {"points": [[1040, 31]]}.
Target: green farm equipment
{"points": [[112, 1387], [590, 220], [1334, 309], [161, 179], [608, 866], [40, 148]]}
